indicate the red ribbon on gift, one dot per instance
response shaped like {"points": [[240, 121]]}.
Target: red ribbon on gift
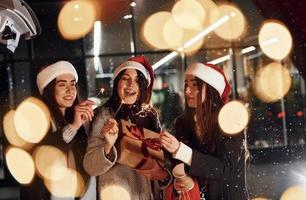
{"points": [[152, 143]]}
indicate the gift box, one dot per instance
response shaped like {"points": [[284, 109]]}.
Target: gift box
{"points": [[140, 149]]}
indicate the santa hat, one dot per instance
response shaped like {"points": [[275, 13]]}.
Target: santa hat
{"points": [[49, 73], [141, 64], [213, 76]]}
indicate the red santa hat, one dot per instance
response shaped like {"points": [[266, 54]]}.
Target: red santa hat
{"points": [[49, 73], [213, 76], [141, 64]]}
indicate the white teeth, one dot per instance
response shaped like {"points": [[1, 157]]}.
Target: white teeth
{"points": [[68, 98], [130, 92]]}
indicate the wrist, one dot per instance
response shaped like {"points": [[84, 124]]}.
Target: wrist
{"points": [[107, 148], [75, 126]]}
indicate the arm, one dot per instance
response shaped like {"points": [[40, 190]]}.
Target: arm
{"points": [[63, 136], [229, 165], [206, 165], [199, 164], [96, 162], [56, 139]]}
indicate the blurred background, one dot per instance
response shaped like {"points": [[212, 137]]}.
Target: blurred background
{"points": [[261, 46]]}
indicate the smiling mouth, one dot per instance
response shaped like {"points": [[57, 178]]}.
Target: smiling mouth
{"points": [[129, 92], [68, 98]]}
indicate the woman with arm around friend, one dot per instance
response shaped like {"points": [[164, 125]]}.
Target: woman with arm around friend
{"points": [[58, 87], [215, 159], [132, 87]]}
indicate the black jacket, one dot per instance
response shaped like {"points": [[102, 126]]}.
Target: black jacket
{"points": [[36, 190], [221, 172]]}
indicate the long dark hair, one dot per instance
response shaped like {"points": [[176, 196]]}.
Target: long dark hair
{"points": [[206, 114], [114, 101], [134, 112], [48, 97]]}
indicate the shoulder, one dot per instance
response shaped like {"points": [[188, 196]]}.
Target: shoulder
{"points": [[102, 110]]}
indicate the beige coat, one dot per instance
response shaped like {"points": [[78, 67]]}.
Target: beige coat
{"points": [[109, 172]]}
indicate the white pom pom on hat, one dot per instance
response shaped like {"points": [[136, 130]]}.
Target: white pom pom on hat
{"points": [[213, 76], [49, 73]]}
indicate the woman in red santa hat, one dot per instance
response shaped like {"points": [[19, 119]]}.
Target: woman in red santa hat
{"points": [[132, 88], [57, 84], [216, 161]]}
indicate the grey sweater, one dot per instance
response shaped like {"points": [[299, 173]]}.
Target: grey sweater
{"points": [[110, 172]]}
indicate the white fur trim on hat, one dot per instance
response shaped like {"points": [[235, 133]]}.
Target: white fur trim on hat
{"points": [[132, 65], [208, 75], [52, 71]]}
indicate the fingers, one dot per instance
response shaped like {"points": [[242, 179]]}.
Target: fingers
{"points": [[169, 142], [87, 103], [110, 126], [85, 111]]}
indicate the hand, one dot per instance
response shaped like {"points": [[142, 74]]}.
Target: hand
{"points": [[110, 131], [169, 142], [183, 184], [83, 113]]}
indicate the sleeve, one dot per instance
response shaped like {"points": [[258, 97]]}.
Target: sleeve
{"points": [[56, 139], [230, 165], [68, 133], [95, 161]]}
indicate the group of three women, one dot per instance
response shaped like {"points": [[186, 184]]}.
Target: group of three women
{"points": [[214, 160]]}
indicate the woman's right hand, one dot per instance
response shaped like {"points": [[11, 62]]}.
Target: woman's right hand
{"points": [[110, 131], [169, 142], [83, 113]]}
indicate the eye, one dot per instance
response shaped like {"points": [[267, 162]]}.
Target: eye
{"points": [[61, 84], [124, 77]]}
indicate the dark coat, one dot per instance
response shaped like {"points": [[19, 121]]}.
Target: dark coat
{"points": [[36, 190], [221, 172]]}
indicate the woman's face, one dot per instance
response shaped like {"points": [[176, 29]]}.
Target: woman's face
{"points": [[128, 88], [65, 91], [191, 91]]}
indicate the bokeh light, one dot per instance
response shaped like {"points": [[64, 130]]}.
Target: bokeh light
{"points": [[32, 120], [50, 162], [114, 192], [235, 27], [189, 14], [188, 35], [76, 19], [275, 40], [294, 193], [272, 82], [208, 7], [20, 164], [70, 185], [233, 117], [166, 32], [11, 133]]}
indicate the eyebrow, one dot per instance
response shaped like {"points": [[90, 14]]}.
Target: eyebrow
{"points": [[65, 81], [126, 74], [192, 80]]}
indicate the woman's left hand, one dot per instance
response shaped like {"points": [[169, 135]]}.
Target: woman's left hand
{"points": [[169, 142]]}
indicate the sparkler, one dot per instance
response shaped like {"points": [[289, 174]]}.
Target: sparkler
{"points": [[100, 92], [122, 102], [145, 108]]}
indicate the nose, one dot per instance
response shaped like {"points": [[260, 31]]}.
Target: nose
{"points": [[70, 88], [131, 82], [187, 91]]}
